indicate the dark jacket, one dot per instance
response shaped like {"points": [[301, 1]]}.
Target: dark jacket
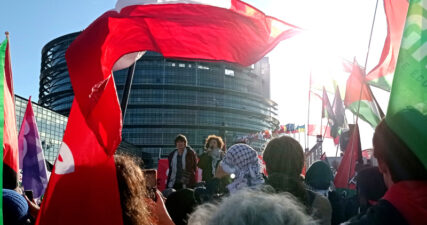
{"points": [[382, 213], [404, 203], [205, 163], [190, 166]]}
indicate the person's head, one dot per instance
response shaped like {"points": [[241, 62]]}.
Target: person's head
{"points": [[180, 205], [251, 208], [180, 142], [370, 186], [396, 160], [15, 208], [132, 190], [241, 162], [284, 155], [319, 176], [284, 160], [214, 142]]}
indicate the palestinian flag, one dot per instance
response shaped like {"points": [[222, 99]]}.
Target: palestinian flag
{"points": [[368, 109], [9, 139], [339, 112], [328, 112], [407, 109], [382, 75], [346, 173]]}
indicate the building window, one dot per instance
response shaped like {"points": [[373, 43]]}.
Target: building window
{"points": [[229, 72]]}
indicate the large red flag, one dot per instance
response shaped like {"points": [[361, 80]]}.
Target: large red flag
{"points": [[345, 177], [83, 187], [382, 75]]}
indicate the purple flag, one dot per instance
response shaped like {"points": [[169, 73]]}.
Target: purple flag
{"points": [[31, 158]]}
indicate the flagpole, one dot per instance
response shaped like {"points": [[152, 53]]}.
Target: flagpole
{"points": [[366, 61], [126, 90], [307, 141], [361, 86], [336, 153]]}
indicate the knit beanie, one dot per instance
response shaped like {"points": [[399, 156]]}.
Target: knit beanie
{"points": [[15, 207], [319, 176]]}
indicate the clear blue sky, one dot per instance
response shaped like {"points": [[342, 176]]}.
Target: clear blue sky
{"points": [[32, 24]]}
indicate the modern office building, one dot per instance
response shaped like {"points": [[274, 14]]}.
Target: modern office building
{"points": [[51, 126], [169, 97]]}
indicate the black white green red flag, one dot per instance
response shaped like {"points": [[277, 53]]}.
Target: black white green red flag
{"points": [[382, 75], [353, 100]]}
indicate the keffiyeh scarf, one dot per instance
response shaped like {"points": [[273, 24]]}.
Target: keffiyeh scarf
{"points": [[242, 161]]}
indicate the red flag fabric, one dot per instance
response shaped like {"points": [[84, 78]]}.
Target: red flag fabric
{"points": [[10, 137], [304, 169], [314, 130], [263, 166], [162, 173], [395, 11], [345, 177], [83, 187]]}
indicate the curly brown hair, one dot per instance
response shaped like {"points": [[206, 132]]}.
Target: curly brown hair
{"points": [[132, 190], [214, 137]]}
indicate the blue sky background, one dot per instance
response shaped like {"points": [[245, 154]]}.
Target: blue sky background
{"points": [[32, 24]]}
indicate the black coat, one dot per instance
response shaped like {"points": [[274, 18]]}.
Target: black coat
{"points": [[381, 213]]}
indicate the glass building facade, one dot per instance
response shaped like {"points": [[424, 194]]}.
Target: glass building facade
{"points": [[170, 97], [51, 126]]}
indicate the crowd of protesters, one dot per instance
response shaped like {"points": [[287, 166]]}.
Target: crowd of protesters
{"points": [[235, 191]]}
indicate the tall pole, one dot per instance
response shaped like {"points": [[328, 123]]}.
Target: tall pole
{"points": [[361, 89], [126, 90], [307, 142], [366, 60]]}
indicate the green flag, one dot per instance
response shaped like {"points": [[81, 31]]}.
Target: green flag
{"points": [[407, 111]]}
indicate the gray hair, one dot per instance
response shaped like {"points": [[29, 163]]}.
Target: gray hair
{"points": [[248, 207]]}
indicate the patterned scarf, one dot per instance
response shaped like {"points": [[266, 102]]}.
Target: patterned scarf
{"points": [[242, 161]]}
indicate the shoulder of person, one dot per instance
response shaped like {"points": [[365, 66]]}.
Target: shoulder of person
{"points": [[173, 152], [204, 154], [321, 201], [318, 201], [381, 213], [191, 150]]}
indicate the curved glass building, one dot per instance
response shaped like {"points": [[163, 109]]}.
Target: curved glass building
{"points": [[169, 97], [55, 90]]}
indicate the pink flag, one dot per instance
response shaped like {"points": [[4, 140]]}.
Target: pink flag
{"points": [[31, 158]]}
